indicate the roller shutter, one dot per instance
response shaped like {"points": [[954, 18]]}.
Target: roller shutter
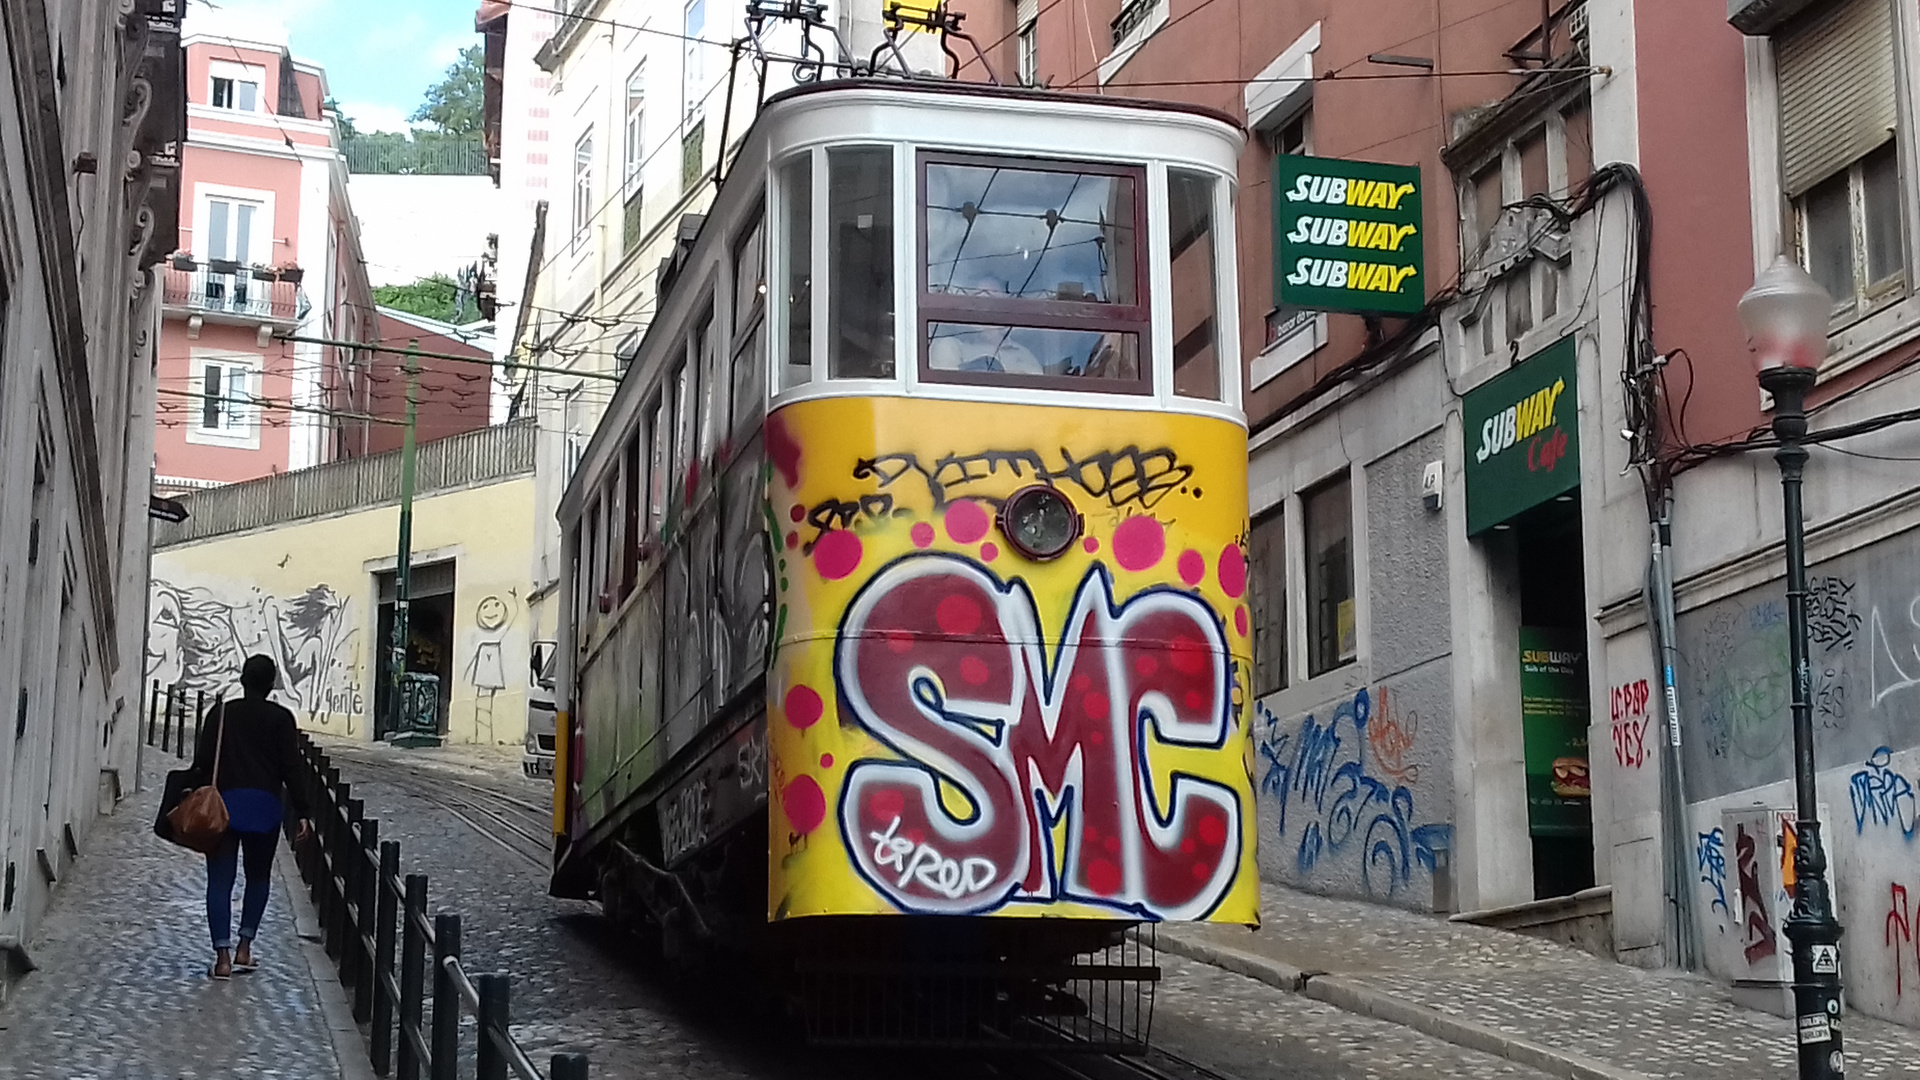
{"points": [[1835, 67]]}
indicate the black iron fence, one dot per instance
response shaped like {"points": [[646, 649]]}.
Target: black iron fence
{"points": [[402, 966]]}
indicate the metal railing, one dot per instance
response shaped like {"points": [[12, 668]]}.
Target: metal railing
{"points": [[473, 457], [1132, 14], [235, 293], [404, 971], [392, 156]]}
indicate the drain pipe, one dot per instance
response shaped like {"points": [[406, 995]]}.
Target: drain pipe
{"points": [[1683, 926]]}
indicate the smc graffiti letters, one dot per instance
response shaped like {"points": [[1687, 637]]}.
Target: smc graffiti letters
{"points": [[1002, 748]]}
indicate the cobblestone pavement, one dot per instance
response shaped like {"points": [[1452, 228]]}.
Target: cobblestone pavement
{"points": [[122, 991], [576, 988], [1655, 1024]]}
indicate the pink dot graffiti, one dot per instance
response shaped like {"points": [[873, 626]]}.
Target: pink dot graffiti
{"points": [[804, 707], [989, 552], [837, 554], [921, 534], [1233, 571], [1240, 621], [1139, 543], [1192, 566], [966, 522], [805, 804], [1091, 545]]}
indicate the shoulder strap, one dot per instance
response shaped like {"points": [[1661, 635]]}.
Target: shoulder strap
{"points": [[219, 738]]}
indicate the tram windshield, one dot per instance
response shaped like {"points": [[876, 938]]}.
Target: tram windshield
{"points": [[1032, 273]]}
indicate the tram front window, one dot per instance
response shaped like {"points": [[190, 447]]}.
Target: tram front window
{"points": [[1032, 271]]}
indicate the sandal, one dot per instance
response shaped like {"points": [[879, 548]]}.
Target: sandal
{"points": [[247, 968]]}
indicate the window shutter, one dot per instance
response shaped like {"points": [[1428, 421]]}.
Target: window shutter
{"points": [[1024, 12], [1836, 89]]}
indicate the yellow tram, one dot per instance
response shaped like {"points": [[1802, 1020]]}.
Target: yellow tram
{"points": [[908, 629]]}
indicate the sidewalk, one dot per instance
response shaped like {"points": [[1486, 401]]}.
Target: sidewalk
{"points": [[1557, 1009], [122, 991]]}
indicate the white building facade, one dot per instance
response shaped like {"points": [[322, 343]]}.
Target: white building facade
{"points": [[87, 211]]}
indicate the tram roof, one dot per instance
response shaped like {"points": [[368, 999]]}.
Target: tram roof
{"points": [[961, 89]]}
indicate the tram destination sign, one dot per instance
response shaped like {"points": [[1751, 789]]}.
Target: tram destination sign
{"points": [[1347, 236], [1522, 431]]}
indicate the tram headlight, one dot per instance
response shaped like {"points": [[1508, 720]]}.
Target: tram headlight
{"points": [[1039, 522]]}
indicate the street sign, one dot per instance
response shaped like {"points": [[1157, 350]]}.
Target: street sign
{"points": [[1347, 236]]}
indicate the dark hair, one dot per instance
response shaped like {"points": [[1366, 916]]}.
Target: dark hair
{"points": [[257, 675]]}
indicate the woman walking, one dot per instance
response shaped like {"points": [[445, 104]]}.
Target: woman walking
{"points": [[249, 751]]}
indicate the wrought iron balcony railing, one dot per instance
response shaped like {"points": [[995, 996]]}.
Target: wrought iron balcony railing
{"points": [[239, 292], [1132, 14]]}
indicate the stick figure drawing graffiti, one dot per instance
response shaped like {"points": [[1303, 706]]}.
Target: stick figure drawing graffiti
{"points": [[487, 669]]}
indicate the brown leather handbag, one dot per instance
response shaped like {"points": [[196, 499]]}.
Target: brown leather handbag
{"points": [[200, 821]]}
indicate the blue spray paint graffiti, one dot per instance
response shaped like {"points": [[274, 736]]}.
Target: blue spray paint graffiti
{"points": [[1323, 767], [1882, 797], [1712, 854]]}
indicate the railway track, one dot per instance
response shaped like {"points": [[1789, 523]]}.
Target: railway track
{"points": [[515, 824]]}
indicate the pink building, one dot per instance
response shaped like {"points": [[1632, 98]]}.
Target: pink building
{"points": [[268, 248]]}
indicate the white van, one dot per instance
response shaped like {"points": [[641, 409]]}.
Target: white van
{"points": [[537, 757]]}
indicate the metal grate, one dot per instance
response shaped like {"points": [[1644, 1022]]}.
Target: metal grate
{"points": [[1052, 985]]}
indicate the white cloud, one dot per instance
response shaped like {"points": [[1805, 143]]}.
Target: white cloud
{"points": [[370, 117]]}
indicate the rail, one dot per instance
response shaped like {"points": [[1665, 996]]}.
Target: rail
{"points": [[369, 912]]}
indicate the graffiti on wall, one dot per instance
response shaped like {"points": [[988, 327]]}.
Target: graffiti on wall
{"points": [[1630, 717], [957, 728], [197, 639], [1334, 801], [486, 670], [1710, 852], [1899, 939], [1883, 798], [1756, 921]]}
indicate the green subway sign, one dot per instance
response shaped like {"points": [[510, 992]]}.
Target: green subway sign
{"points": [[1347, 236], [1522, 440]]}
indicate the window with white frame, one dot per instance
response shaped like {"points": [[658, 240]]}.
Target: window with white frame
{"points": [[225, 398], [582, 187], [235, 231], [1026, 21], [1839, 161], [235, 86], [633, 148], [693, 76]]}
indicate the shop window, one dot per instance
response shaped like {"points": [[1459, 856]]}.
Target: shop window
{"points": [[1267, 596], [860, 230], [1332, 638]]}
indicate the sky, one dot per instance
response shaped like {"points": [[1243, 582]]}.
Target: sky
{"points": [[380, 55]]}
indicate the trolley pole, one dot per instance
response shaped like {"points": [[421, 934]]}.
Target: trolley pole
{"points": [[400, 722]]}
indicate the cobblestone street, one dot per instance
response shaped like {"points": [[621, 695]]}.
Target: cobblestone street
{"points": [[122, 991], [577, 988]]}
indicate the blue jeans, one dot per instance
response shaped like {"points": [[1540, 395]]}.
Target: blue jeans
{"points": [[258, 849]]}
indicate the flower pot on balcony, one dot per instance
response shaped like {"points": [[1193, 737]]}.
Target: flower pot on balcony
{"points": [[183, 262], [223, 266], [265, 273], [291, 274]]}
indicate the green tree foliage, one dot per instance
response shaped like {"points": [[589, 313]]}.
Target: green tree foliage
{"points": [[456, 105], [434, 297]]}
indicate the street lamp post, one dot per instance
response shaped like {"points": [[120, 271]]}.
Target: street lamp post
{"points": [[1786, 314]]}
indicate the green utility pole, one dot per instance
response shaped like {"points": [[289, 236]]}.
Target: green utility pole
{"points": [[409, 727]]}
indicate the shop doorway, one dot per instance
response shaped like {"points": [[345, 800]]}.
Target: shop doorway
{"points": [[1555, 708], [429, 637]]}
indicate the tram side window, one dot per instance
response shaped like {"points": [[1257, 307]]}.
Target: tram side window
{"points": [[796, 258], [684, 403], [657, 468], [633, 488], [1196, 292], [596, 562], [860, 283], [1032, 274], [713, 390], [749, 339]]}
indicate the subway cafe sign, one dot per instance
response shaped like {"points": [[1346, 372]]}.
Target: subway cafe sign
{"points": [[1522, 437], [1347, 236]]}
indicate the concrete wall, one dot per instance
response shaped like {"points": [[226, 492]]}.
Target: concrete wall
{"points": [[304, 593], [414, 226], [1355, 767]]}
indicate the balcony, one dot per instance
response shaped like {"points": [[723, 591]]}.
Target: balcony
{"points": [[230, 294], [1132, 14]]}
